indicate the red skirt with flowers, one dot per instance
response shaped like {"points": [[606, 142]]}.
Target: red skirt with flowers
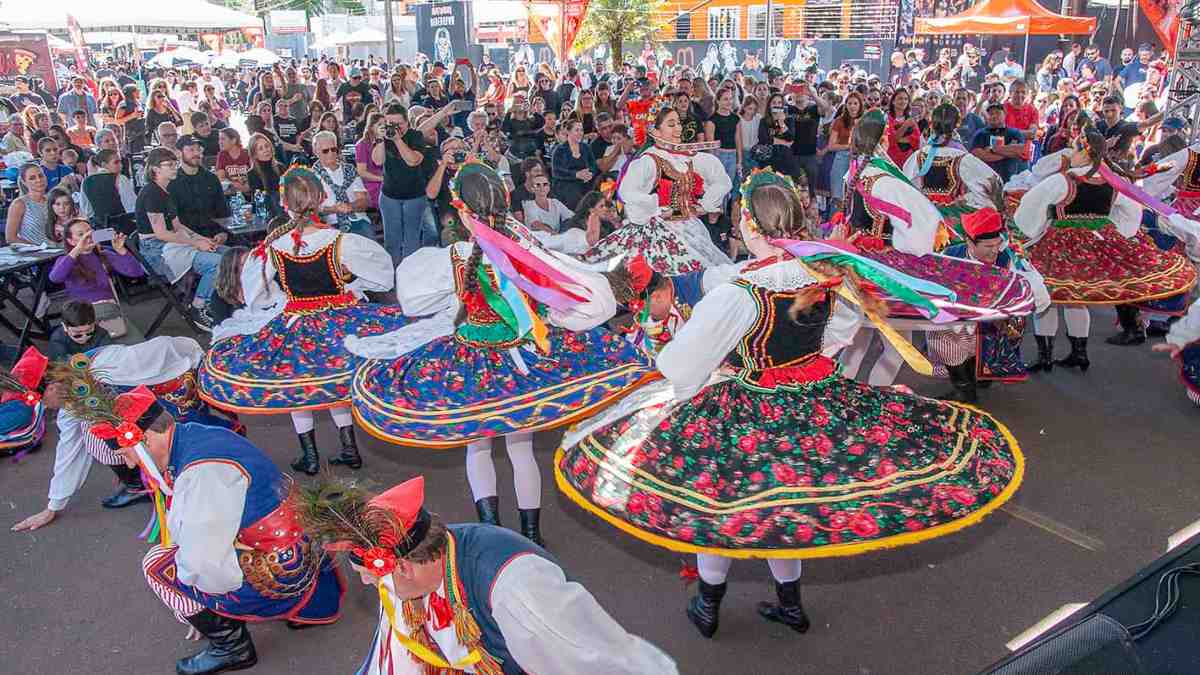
{"points": [[823, 468], [1088, 266], [301, 366]]}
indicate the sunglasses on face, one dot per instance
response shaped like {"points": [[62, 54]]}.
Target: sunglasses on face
{"points": [[326, 151]]}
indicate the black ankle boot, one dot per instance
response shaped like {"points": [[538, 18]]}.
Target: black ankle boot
{"points": [[488, 510], [229, 646], [131, 491], [349, 456], [1078, 358], [531, 525], [962, 377], [1131, 328], [704, 609], [309, 461], [1045, 347], [789, 611]]}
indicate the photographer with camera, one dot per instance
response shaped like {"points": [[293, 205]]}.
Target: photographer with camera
{"points": [[454, 155], [406, 170], [521, 129]]}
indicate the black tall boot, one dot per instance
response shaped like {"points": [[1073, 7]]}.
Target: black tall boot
{"points": [[788, 611], [1045, 347], [962, 377], [531, 525], [1078, 358], [704, 609], [309, 461], [488, 510], [1132, 332], [349, 456], [229, 646], [131, 491]]}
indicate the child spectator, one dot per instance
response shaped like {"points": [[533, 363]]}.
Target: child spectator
{"points": [[84, 270], [78, 332], [227, 297]]}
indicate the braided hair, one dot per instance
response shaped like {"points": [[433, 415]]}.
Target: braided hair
{"points": [[484, 196], [302, 194], [1097, 151], [945, 125]]}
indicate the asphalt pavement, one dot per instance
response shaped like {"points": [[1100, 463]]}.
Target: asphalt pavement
{"points": [[1112, 471]]}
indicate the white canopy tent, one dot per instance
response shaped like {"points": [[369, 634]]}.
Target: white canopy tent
{"points": [[190, 14], [182, 55]]}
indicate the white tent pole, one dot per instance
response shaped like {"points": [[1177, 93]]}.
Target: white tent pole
{"points": [[1025, 59]]}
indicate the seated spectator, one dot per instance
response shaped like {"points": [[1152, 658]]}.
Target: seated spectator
{"points": [[84, 271], [345, 195], [227, 296], [28, 214], [573, 167], [370, 172], [544, 212], [998, 146], [203, 132], [197, 192], [595, 216], [264, 172], [167, 134], [618, 153], [61, 212], [528, 169], [233, 161], [168, 245], [106, 193], [14, 140], [51, 162], [78, 332], [81, 134]]}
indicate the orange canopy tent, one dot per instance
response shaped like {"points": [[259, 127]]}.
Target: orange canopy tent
{"points": [[1006, 17]]}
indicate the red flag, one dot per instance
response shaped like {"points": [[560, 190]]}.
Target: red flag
{"points": [[573, 13], [81, 62], [1164, 18]]}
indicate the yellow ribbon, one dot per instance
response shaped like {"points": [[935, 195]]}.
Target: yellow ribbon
{"points": [[164, 535], [421, 651], [912, 356]]}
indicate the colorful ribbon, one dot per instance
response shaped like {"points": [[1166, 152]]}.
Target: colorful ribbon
{"points": [[540, 280], [1136, 193], [419, 650]]}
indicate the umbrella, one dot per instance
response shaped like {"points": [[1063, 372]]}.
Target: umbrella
{"points": [[58, 44], [258, 57], [181, 56], [330, 41]]}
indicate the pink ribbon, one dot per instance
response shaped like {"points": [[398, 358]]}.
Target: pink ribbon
{"points": [[1136, 193], [894, 210]]}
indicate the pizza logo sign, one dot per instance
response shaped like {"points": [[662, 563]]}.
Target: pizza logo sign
{"points": [[17, 61]]}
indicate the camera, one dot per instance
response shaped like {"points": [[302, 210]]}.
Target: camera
{"points": [[459, 156], [391, 128]]}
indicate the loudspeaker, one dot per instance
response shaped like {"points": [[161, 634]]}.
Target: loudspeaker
{"points": [[1098, 644]]}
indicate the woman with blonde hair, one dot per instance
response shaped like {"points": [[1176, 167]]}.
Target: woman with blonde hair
{"points": [[303, 288]]}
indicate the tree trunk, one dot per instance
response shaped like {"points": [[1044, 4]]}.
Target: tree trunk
{"points": [[615, 46]]}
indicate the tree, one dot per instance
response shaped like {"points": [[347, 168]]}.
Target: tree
{"points": [[612, 22]]}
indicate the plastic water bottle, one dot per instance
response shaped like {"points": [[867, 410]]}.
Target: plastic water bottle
{"points": [[237, 205], [260, 205]]}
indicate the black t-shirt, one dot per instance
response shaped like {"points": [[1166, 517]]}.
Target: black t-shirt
{"points": [[1125, 131], [690, 129], [154, 199], [725, 129], [362, 88], [135, 129], [401, 181], [210, 144], [288, 130], [599, 147], [199, 200], [807, 122]]}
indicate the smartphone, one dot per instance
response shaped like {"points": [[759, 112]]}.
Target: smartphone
{"points": [[997, 142], [102, 235], [464, 105]]}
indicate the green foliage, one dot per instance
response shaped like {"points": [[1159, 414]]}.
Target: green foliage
{"points": [[612, 22]]}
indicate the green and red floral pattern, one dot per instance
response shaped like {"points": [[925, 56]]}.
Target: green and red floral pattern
{"points": [[831, 467]]}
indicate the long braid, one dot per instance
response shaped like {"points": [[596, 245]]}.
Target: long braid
{"points": [[303, 194]]}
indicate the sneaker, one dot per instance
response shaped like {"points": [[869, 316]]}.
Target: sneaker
{"points": [[201, 318]]}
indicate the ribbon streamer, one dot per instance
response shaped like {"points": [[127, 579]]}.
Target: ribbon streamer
{"points": [[541, 281], [1136, 193], [419, 650]]}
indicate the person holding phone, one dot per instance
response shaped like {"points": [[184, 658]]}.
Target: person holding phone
{"points": [[84, 271]]}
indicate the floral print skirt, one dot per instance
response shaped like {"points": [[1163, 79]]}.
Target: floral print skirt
{"points": [[981, 291], [826, 468], [301, 366], [1100, 267], [671, 248], [451, 392]]}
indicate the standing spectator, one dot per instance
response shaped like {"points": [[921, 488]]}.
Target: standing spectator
{"points": [[723, 127], [370, 171], [28, 214], [1135, 71], [904, 135], [265, 92], [970, 122], [1118, 134], [161, 110], [1051, 72], [345, 196], [49, 154], [839, 144], [573, 166], [691, 129], [1020, 115], [288, 131], [402, 200], [215, 106], [199, 200], [1072, 60], [106, 193], [1100, 66], [25, 96], [998, 146], [79, 98], [811, 109], [132, 119], [295, 94], [1009, 70], [353, 92], [545, 92], [521, 129], [166, 243]]}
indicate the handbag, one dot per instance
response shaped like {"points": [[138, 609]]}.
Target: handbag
{"points": [[109, 315]]}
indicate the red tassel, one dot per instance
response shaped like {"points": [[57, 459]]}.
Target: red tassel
{"points": [[442, 612], [689, 573]]}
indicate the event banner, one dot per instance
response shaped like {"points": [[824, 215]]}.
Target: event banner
{"points": [[573, 13], [81, 62], [26, 54], [556, 24], [1164, 16], [444, 30]]}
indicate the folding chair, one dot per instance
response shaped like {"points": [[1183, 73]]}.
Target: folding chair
{"points": [[167, 290]]}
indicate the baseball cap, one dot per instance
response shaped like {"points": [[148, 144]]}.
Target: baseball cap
{"points": [[187, 140], [356, 72], [1175, 123]]}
